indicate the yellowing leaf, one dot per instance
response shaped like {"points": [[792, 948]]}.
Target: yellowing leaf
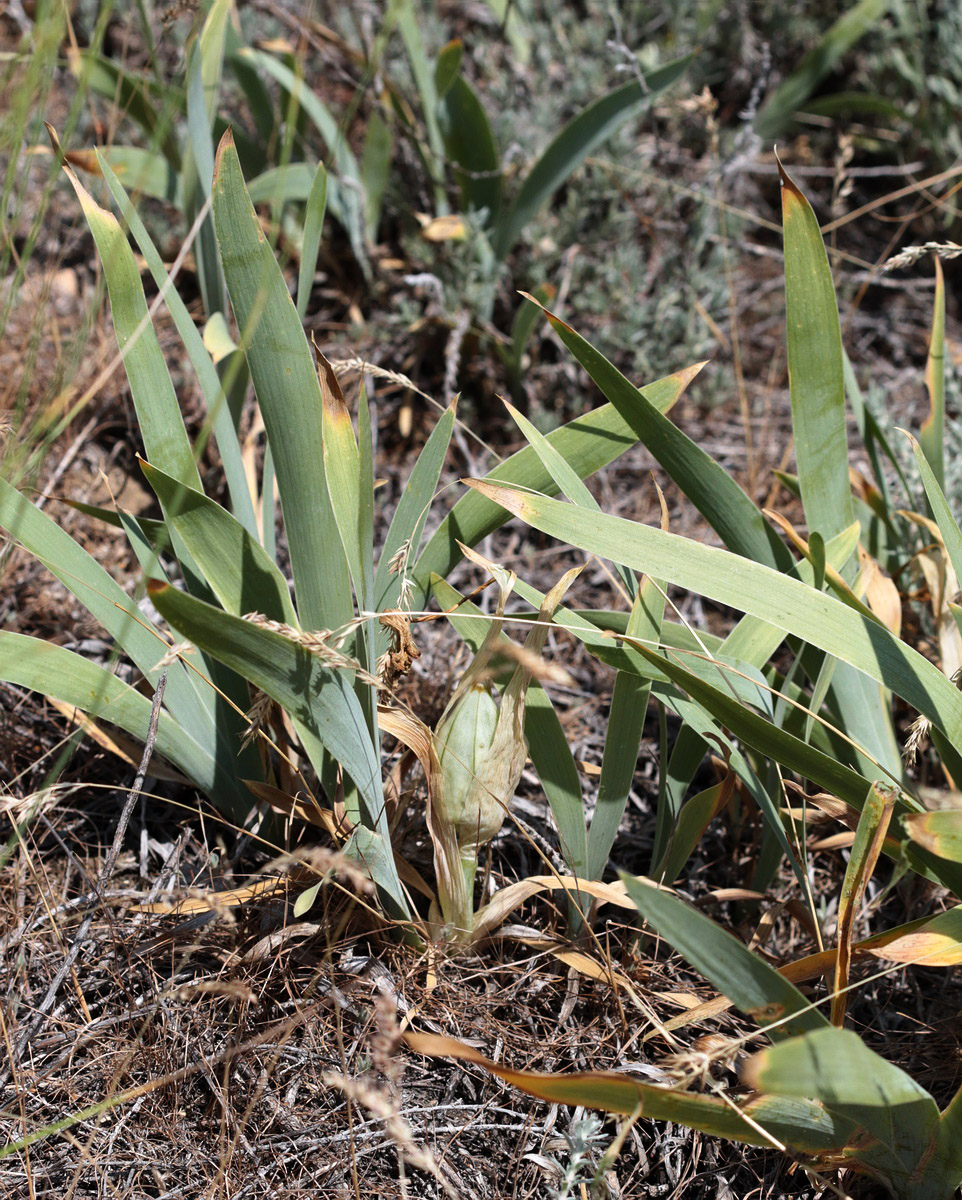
{"points": [[450, 228], [939, 832]]}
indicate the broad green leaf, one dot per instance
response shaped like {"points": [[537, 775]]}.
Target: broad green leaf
{"points": [[522, 327], [553, 761], [761, 733], [751, 984], [848, 104], [793, 92], [191, 748], [876, 444], [366, 642], [815, 370], [210, 47], [320, 699], [141, 171], [365, 517], [626, 722], [897, 1118], [154, 108], [695, 817], [572, 145], [588, 443], [260, 103], [373, 851], [310, 245], [750, 587], [732, 514], [158, 411], [805, 1127], [567, 480], [407, 524], [345, 201], [426, 81], [342, 469], [154, 532], [470, 145], [198, 176], [817, 383], [648, 666], [375, 170], [217, 408], [289, 395], [289, 183], [948, 1141], [446, 68], [240, 573], [107, 602]]}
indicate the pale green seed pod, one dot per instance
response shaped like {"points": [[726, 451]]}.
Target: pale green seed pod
{"points": [[477, 767]]}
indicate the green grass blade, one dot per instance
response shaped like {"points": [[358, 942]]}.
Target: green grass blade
{"points": [[289, 183], [152, 107], [751, 984], [575, 142], [693, 819], [752, 588], [376, 171], [310, 245], [342, 470], [424, 79], [817, 383], [367, 636], [779, 109], [107, 602], [948, 1156], [567, 480], [345, 201], [198, 175], [941, 512], [289, 395], [932, 433], [141, 172], [588, 443], [874, 439]]}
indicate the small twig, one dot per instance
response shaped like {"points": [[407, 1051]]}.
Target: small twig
{"points": [[95, 898]]}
